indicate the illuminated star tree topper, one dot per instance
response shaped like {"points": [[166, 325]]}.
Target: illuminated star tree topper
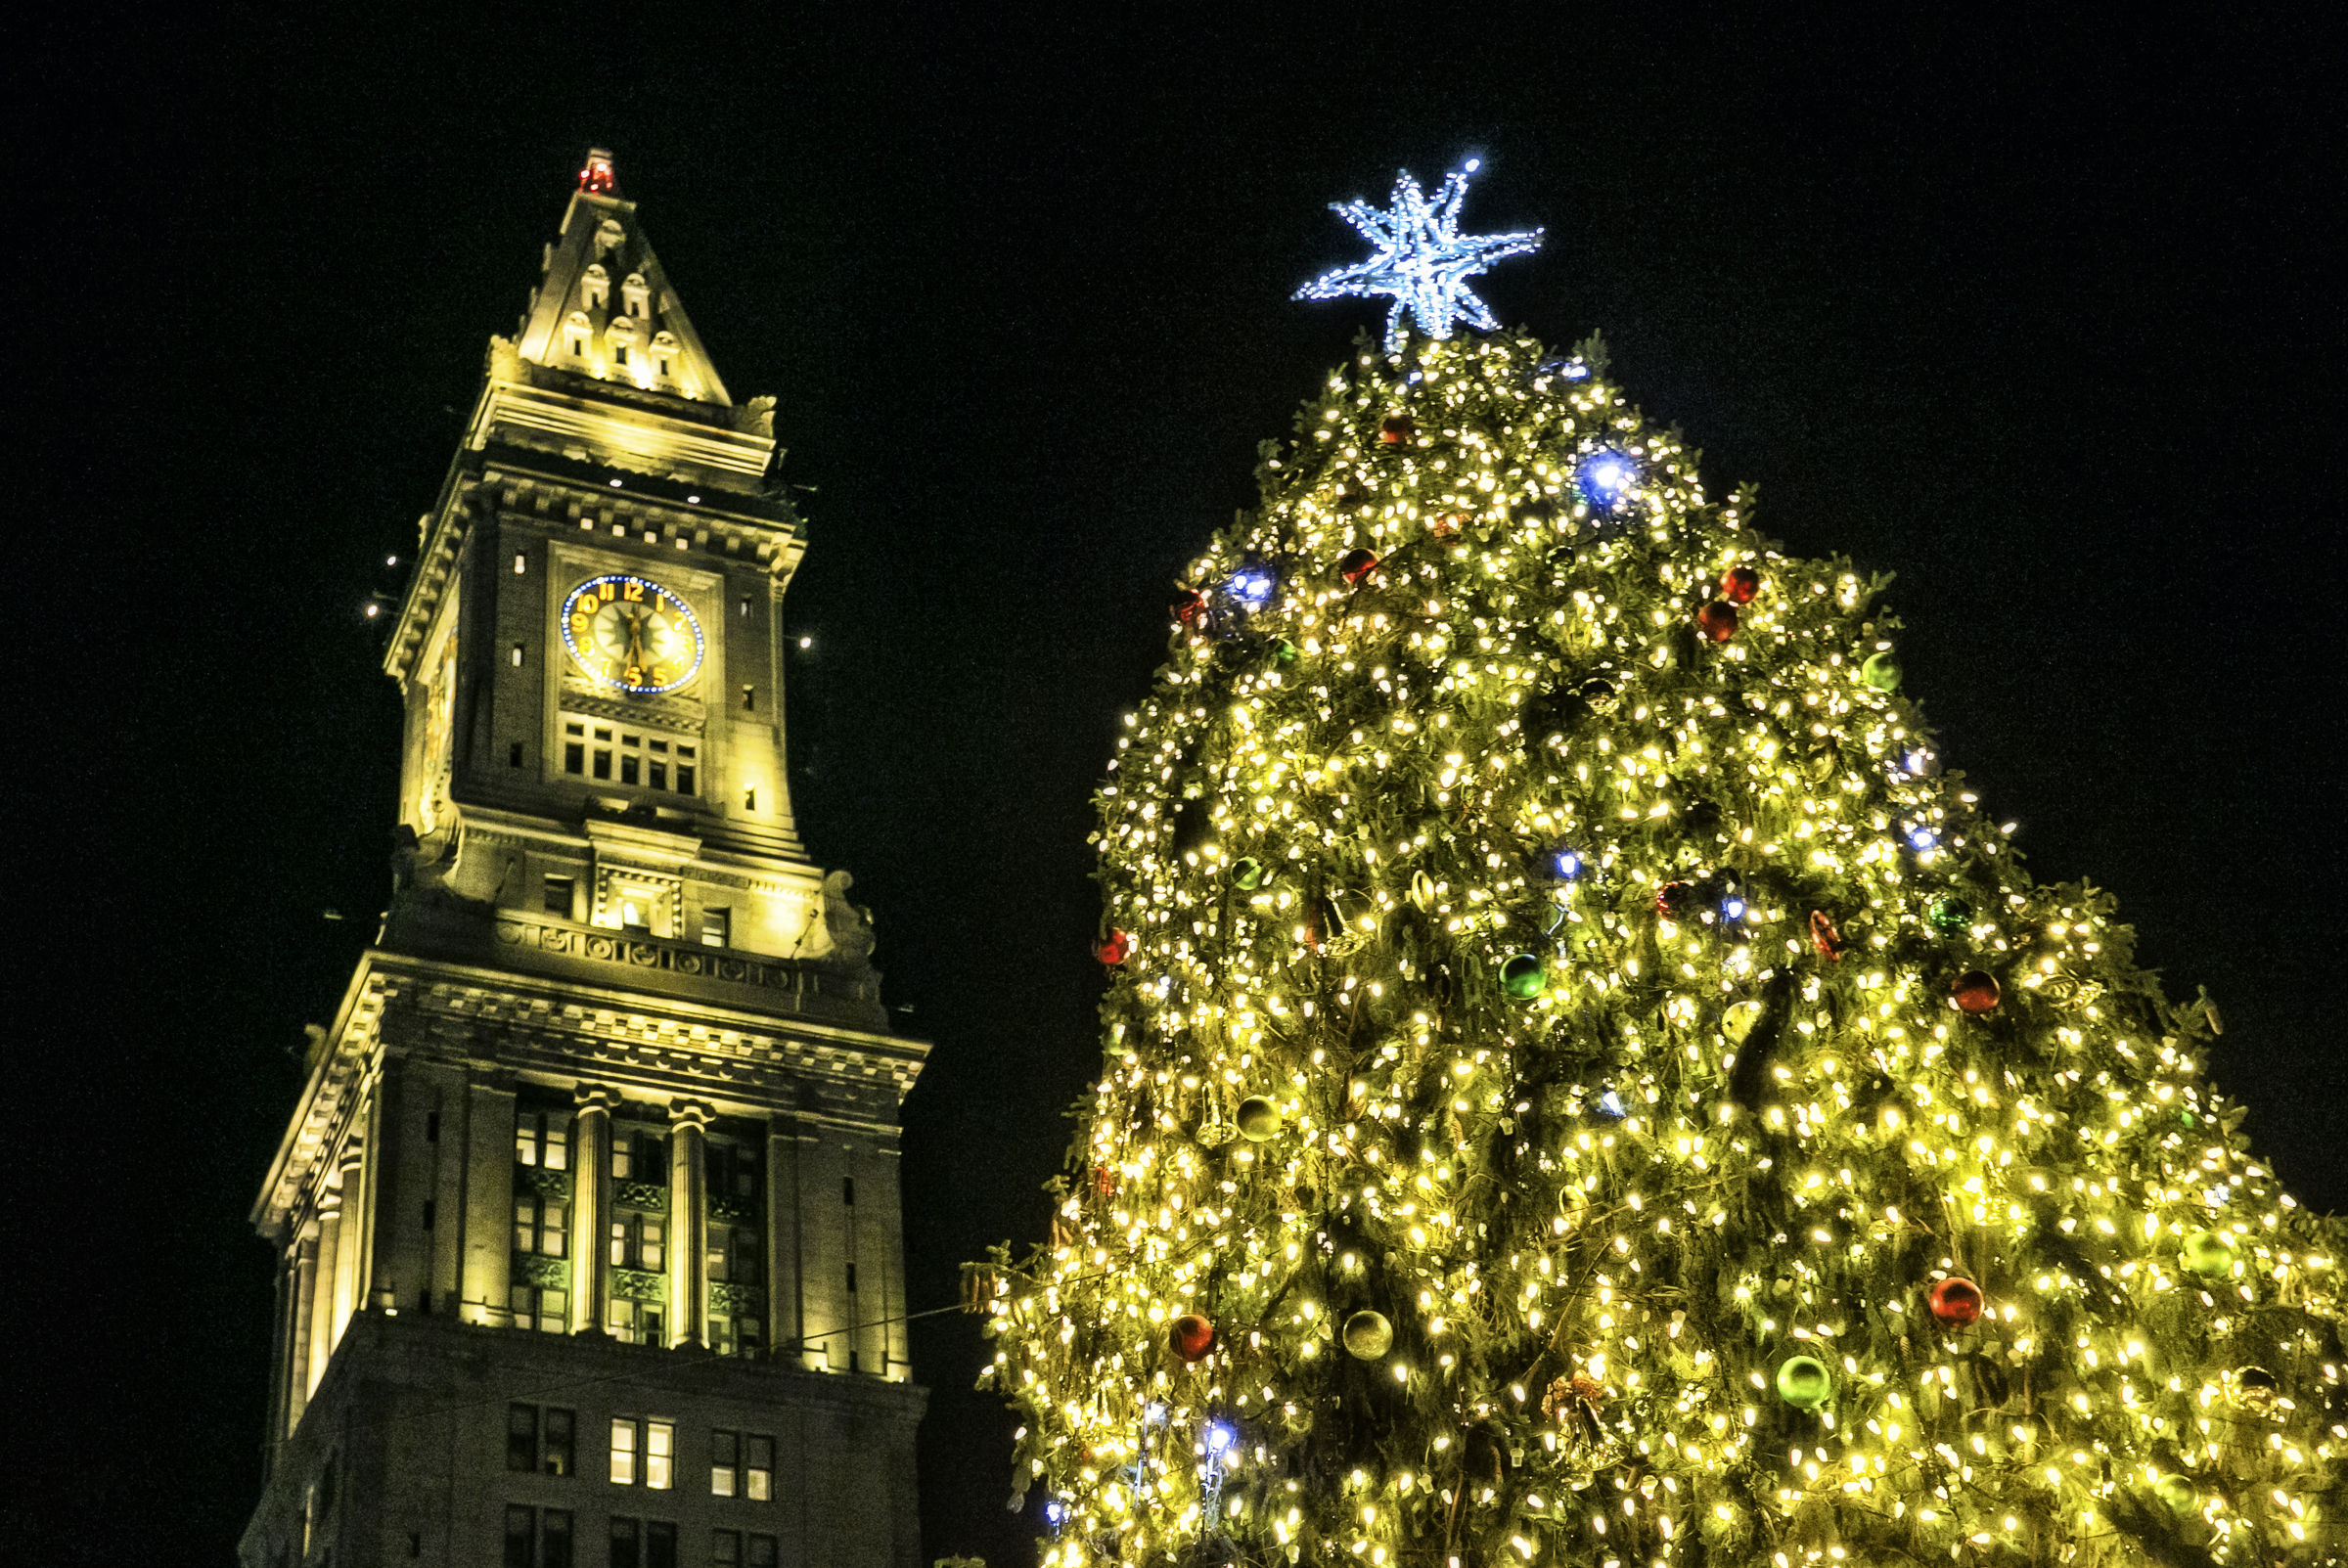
{"points": [[1422, 261]]}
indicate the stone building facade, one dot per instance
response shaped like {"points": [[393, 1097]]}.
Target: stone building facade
{"points": [[587, 1218]]}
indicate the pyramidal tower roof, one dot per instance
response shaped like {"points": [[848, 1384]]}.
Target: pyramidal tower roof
{"points": [[604, 309]]}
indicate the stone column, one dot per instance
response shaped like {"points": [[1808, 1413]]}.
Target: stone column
{"points": [[305, 1306], [688, 1222], [280, 1359], [782, 1316], [590, 1206], [325, 1319], [350, 1249], [488, 1260]]}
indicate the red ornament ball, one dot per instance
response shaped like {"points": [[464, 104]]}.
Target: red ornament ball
{"points": [[1356, 565], [1189, 606], [1190, 1337], [1956, 1302], [1674, 900], [1717, 620], [1397, 431], [1824, 936], [1975, 992], [1115, 949], [1739, 585]]}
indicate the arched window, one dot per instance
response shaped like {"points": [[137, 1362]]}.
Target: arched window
{"points": [[576, 330], [626, 356], [609, 236], [637, 295], [668, 354], [596, 284]]}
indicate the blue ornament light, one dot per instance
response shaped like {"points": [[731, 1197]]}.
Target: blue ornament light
{"points": [[1219, 1438], [1605, 478], [1922, 838], [1731, 908], [1610, 1106], [1566, 865], [1422, 261], [1250, 587]]}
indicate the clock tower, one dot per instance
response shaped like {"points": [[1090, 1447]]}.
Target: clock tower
{"points": [[587, 1218]]}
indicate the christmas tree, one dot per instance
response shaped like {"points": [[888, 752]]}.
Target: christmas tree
{"points": [[1584, 1085]]}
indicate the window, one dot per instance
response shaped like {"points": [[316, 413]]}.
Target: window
{"points": [[632, 915], [538, 1225], [639, 1156], [659, 1451], [734, 1335], [637, 1243], [746, 606], [749, 699], [539, 1441], [432, 1127], [620, 353], [624, 1438], [660, 1543], [725, 1462], [558, 896], [633, 1322], [431, 1212], [542, 1139], [522, 563], [762, 1551], [517, 656], [733, 1253], [645, 761], [717, 927], [749, 799], [514, 755], [847, 1191], [627, 1544], [851, 1278], [537, 1307], [522, 1538], [725, 1546], [758, 1468]]}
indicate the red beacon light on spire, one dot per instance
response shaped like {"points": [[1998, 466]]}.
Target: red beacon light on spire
{"points": [[597, 177]]}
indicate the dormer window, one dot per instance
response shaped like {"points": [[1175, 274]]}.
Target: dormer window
{"points": [[576, 330], [637, 296], [609, 236], [621, 336], [666, 351], [597, 284]]}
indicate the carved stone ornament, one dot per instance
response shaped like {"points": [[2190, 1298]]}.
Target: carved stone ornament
{"points": [[849, 925]]}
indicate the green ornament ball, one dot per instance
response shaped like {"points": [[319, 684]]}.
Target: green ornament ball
{"points": [[2207, 1252], [1259, 1119], [1248, 873], [1804, 1382], [1367, 1335], [1523, 976], [2179, 1493], [1284, 652], [1882, 671], [1949, 916]]}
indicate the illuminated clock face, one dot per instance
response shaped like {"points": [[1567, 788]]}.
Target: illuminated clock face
{"points": [[632, 633]]}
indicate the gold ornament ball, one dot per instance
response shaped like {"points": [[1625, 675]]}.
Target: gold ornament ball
{"points": [[1367, 1335], [1259, 1119], [2179, 1493]]}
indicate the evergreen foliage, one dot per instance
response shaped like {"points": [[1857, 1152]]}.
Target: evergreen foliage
{"points": [[1573, 1034]]}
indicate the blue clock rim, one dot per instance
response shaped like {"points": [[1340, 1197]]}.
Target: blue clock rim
{"points": [[700, 643]]}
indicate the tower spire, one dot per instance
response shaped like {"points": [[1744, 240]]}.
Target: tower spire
{"points": [[604, 309]]}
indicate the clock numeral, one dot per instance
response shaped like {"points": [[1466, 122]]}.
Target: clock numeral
{"points": [[633, 592], [605, 590]]}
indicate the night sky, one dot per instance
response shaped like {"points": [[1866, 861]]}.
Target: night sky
{"points": [[2038, 316]]}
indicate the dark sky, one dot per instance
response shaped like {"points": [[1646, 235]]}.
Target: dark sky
{"points": [[2037, 313]]}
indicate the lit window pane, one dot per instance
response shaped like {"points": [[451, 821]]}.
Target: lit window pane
{"points": [[656, 1456], [623, 1453]]}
